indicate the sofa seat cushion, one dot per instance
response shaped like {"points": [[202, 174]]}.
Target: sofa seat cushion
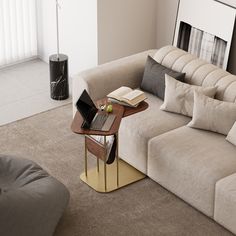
{"points": [[225, 202], [136, 130], [189, 162]]}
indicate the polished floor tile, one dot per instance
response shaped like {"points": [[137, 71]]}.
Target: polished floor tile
{"points": [[25, 91]]}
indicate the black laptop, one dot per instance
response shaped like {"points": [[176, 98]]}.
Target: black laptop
{"points": [[92, 119]]}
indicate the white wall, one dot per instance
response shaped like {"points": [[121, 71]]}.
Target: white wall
{"points": [[78, 32], [125, 27], [95, 31], [166, 17]]}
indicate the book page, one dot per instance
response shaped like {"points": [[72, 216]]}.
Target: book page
{"points": [[118, 93], [138, 99], [132, 95], [123, 103]]}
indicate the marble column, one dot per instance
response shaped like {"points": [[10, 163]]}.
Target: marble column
{"points": [[59, 77]]}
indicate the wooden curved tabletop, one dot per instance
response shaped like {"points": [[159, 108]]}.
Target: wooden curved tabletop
{"points": [[128, 111], [118, 110], [132, 110]]}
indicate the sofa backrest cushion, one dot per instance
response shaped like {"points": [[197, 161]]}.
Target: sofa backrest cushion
{"points": [[198, 72]]}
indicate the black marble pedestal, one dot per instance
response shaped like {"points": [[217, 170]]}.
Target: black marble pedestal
{"points": [[59, 77]]}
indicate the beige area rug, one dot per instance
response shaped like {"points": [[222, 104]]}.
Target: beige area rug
{"points": [[143, 208]]}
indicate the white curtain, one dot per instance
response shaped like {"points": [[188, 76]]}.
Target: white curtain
{"points": [[18, 32], [206, 46]]}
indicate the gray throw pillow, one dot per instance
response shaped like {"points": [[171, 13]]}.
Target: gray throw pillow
{"points": [[154, 77]]}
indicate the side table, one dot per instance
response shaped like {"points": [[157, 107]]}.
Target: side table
{"points": [[106, 178]]}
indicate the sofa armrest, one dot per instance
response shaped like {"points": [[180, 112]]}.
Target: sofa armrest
{"points": [[103, 79]]}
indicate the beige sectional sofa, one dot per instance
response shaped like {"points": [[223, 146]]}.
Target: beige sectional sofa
{"points": [[198, 166]]}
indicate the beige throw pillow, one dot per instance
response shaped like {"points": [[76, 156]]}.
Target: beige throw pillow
{"points": [[179, 96], [231, 137], [211, 114]]}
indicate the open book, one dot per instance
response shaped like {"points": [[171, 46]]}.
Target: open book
{"points": [[127, 96]]}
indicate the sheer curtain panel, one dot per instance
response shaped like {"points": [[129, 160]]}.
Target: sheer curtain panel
{"points": [[18, 32]]}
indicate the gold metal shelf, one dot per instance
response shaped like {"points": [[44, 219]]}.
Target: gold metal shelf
{"points": [[127, 175]]}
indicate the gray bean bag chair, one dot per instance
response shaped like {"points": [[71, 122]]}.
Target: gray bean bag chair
{"points": [[31, 201]]}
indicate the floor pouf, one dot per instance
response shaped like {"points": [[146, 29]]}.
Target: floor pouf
{"points": [[31, 201]]}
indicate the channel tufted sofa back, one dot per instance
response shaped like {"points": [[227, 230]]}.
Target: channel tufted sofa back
{"points": [[199, 72]]}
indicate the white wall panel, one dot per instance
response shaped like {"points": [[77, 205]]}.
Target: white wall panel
{"points": [[77, 28]]}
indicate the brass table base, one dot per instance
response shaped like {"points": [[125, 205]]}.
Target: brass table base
{"points": [[127, 175]]}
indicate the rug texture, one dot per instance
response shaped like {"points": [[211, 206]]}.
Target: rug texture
{"points": [[142, 208]]}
